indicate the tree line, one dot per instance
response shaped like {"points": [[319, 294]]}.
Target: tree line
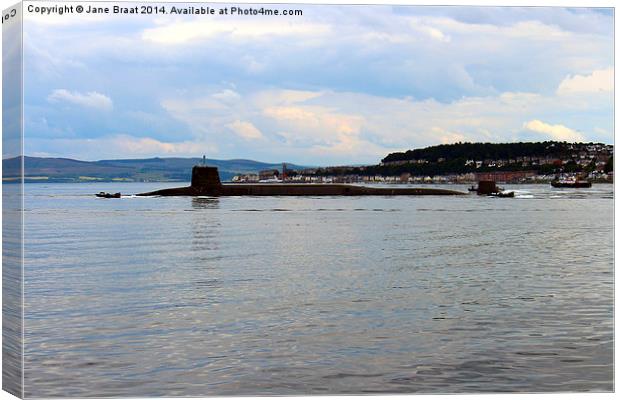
{"points": [[483, 151], [457, 159]]}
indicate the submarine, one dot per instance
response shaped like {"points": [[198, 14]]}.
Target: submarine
{"points": [[206, 182]]}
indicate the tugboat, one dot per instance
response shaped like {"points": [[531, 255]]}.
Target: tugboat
{"points": [[490, 189], [571, 183], [108, 195]]}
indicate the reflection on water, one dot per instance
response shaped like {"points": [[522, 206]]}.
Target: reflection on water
{"points": [[285, 295], [12, 260], [205, 202]]}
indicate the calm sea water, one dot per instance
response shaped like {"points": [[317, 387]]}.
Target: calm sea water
{"points": [[283, 295]]}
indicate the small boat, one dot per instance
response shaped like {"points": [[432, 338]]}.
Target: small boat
{"points": [[472, 189], [108, 195], [571, 183]]}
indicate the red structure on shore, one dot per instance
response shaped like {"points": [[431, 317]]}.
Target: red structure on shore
{"points": [[504, 176]]}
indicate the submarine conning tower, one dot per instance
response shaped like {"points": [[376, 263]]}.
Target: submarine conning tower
{"points": [[203, 176], [206, 179]]}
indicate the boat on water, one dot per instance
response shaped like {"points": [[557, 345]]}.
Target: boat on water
{"points": [[571, 183], [108, 195], [490, 189]]}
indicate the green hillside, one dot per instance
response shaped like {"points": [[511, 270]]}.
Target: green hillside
{"points": [[137, 170]]}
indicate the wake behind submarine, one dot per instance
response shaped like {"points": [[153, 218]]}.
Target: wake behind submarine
{"points": [[206, 182]]}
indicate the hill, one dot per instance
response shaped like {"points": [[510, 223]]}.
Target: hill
{"points": [[140, 170], [542, 157], [490, 151], [463, 158]]}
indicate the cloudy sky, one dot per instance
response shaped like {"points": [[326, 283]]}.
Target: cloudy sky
{"points": [[339, 85]]}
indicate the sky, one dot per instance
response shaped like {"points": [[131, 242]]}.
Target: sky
{"points": [[338, 85]]}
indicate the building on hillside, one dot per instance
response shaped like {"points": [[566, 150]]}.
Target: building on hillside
{"points": [[268, 174], [505, 176]]}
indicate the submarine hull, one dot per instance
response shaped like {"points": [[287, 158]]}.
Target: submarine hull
{"points": [[206, 182], [298, 190]]}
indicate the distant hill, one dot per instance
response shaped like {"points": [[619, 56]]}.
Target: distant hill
{"points": [[459, 158], [140, 170], [490, 151], [462, 158]]}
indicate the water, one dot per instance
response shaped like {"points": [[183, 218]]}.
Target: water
{"points": [[284, 295]]}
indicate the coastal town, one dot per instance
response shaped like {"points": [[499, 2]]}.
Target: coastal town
{"points": [[592, 161]]}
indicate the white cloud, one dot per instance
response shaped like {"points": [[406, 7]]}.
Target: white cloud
{"points": [[252, 65], [179, 32], [316, 124], [245, 129], [91, 99], [433, 32], [447, 137], [226, 95], [283, 97], [341, 127], [598, 81], [147, 145], [374, 79], [346, 146], [205, 116], [119, 146], [556, 132]]}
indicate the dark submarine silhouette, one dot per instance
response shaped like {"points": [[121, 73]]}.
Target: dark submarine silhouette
{"points": [[206, 182]]}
